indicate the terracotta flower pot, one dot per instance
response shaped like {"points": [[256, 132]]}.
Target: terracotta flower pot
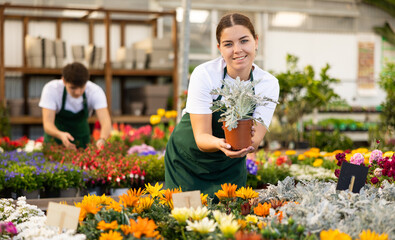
{"points": [[239, 137]]}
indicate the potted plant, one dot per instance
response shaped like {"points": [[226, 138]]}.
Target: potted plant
{"points": [[237, 105]]}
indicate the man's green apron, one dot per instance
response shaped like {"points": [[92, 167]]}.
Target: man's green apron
{"points": [[74, 123], [191, 169]]}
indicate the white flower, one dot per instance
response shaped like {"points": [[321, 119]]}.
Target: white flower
{"points": [[181, 214], [203, 226], [221, 216], [199, 213], [228, 228]]}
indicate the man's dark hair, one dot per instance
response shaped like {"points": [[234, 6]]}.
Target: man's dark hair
{"points": [[76, 74]]}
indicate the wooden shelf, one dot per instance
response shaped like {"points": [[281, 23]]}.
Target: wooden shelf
{"points": [[29, 120], [142, 72], [47, 71]]}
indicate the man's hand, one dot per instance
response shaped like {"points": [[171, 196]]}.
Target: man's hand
{"points": [[66, 137], [100, 143]]}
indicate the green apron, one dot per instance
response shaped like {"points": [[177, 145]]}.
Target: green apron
{"points": [[191, 169], [74, 123]]}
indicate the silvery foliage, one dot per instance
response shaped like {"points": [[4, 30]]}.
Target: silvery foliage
{"points": [[322, 207], [238, 101]]}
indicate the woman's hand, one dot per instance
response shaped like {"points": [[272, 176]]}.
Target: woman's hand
{"points": [[226, 148]]}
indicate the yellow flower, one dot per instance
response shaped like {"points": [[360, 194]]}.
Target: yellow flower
{"points": [[318, 162], [222, 216], [204, 199], [316, 150], [154, 119], [229, 228], [251, 218], [348, 157], [155, 191], [301, 157], [261, 224], [228, 191], [144, 203], [290, 152], [246, 193], [161, 112], [171, 114], [388, 154], [277, 153], [102, 225], [111, 235], [136, 192], [371, 235], [334, 235], [262, 210], [181, 214]]}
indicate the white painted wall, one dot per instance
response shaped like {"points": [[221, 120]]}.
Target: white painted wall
{"points": [[339, 50]]}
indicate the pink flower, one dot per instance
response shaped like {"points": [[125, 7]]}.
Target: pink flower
{"points": [[376, 155], [378, 172], [357, 159]]}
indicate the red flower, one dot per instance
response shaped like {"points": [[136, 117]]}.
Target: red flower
{"points": [[374, 180]]}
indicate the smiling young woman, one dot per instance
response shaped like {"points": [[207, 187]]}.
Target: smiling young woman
{"points": [[197, 156]]}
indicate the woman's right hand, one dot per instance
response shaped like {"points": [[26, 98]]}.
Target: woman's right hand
{"points": [[66, 139], [227, 149]]}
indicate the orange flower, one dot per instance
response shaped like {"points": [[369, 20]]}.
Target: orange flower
{"points": [[371, 235], [279, 216], [143, 227], [334, 235], [126, 229], [228, 191], [116, 206], [102, 225], [89, 207], [143, 204], [167, 198], [204, 199], [242, 223], [129, 199], [111, 235], [246, 193], [262, 210], [138, 193]]}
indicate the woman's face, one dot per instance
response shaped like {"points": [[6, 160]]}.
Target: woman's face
{"points": [[237, 47]]}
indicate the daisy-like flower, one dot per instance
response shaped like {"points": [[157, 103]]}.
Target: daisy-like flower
{"points": [[136, 192], [228, 191], [371, 235], [155, 191], [251, 218], [126, 229], [334, 235], [181, 214], [222, 216], [167, 199], [111, 235], [128, 199], [114, 205], [229, 228], [262, 210], [318, 162], [199, 213], [143, 204], [203, 226], [204, 199], [290, 152], [246, 193], [143, 227], [102, 225]]}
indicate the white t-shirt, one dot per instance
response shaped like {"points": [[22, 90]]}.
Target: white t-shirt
{"points": [[208, 76], [52, 93]]}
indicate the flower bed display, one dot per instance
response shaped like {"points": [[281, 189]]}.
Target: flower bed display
{"points": [[304, 210]]}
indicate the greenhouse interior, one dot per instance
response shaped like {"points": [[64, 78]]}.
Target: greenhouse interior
{"points": [[103, 132]]}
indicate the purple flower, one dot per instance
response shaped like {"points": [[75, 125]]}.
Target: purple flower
{"points": [[8, 228], [374, 180], [341, 157], [252, 168], [357, 159], [375, 156]]}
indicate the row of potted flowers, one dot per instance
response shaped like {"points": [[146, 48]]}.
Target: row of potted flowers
{"points": [[304, 210]]}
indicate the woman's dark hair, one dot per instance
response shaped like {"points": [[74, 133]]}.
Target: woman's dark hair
{"points": [[231, 20], [76, 73]]}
